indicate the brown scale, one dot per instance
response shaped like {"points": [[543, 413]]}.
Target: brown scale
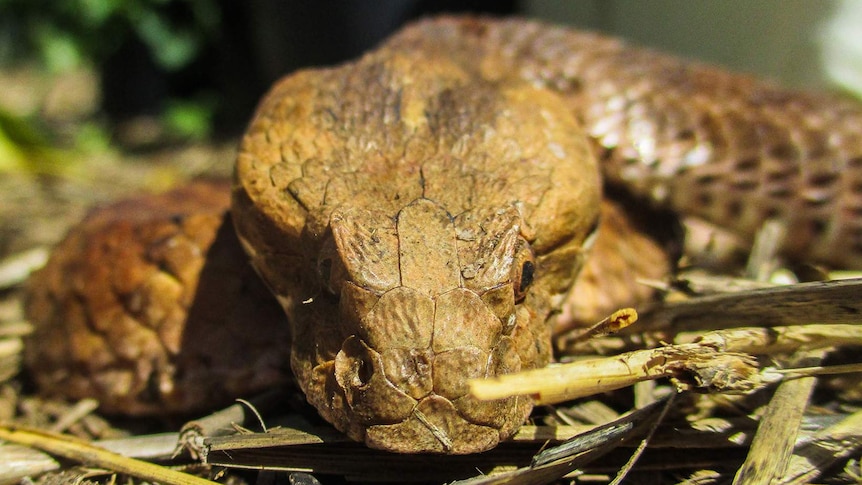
{"points": [[150, 307]]}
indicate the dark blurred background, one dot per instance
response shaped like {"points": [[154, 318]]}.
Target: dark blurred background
{"points": [[243, 47], [216, 57]]}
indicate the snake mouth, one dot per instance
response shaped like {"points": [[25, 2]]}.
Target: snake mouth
{"points": [[398, 381], [436, 425], [404, 409]]}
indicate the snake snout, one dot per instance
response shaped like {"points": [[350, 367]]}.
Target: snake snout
{"points": [[405, 378], [412, 400]]}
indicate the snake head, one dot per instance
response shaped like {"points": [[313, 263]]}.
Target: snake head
{"points": [[426, 301], [420, 225]]}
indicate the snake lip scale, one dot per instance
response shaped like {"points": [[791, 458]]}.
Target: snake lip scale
{"points": [[424, 215]]}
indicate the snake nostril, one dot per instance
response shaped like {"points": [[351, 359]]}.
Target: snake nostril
{"points": [[363, 374], [354, 366]]}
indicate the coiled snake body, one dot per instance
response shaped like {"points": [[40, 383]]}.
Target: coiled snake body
{"points": [[421, 215]]}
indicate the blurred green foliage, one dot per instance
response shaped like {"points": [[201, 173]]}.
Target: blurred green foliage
{"points": [[189, 119], [24, 147], [65, 34]]}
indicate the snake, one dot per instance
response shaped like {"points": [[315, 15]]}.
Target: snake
{"points": [[421, 215]]}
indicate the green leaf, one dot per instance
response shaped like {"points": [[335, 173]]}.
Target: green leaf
{"points": [[171, 49], [189, 119], [60, 50]]}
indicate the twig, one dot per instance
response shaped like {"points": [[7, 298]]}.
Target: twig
{"points": [[223, 422], [763, 260], [554, 463], [829, 302], [615, 430], [643, 444], [775, 340], [91, 455], [22, 461], [617, 321], [10, 357], [776, 434], [16, 268], [690, 365], [827, 447], [78, 411]]}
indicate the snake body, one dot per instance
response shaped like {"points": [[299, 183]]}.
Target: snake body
{"points": [[422, 212]]}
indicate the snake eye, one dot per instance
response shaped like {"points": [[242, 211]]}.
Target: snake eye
{"points": [[524, 272], [527, 270]]}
